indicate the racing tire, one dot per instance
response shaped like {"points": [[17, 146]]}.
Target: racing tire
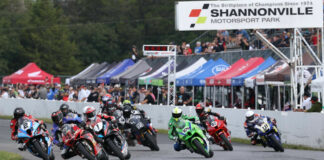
{"points": [[128, 156], [276, 144], [114, 149], [151, 142], [200, 148], [84, 151], [40, 150], [227, 145]]}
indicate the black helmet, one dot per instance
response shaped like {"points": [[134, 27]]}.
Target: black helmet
{"points": [[127, 111], [57, 117], [64, 108], [19, 112]]}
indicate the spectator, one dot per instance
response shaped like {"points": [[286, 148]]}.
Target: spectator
{"points": [[42, 92], [163, 97], [183, 47], [117, 94], [198, 48], [21, 93], [142, 94], [93, 97], [50, 93], [244, 43], [316, 106], [187, 50], [134, 95], [244, 33], [134, 53], [314, 38], [71, 94], [82, 96], [148, 98], [307, 104], [182, 97], [4, 93]]}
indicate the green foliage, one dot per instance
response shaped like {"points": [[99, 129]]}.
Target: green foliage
{"points": [[9, 156], [63, 37]]}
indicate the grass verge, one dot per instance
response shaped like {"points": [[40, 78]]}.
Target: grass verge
{"points": [[9, 156]]}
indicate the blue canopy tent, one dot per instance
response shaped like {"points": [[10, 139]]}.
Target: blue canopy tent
{"points": [[239, 80], [121, 67], [206, 71], [181, 80]]}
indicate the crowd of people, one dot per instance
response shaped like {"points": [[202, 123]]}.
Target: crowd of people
{"points": [[244, 40]]}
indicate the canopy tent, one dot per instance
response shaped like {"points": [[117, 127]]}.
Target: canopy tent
{"points": [[121, 67], [184, 71], [92, 80], [259, 78], [197, 78], [238, 68], [239, 80], [81, 80], [138, 68], [161, 72], [30, 74], [85, 71]]}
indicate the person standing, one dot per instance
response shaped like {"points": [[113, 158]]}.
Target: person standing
{"points": [[183, 98], [307, 104], [134, 53]]}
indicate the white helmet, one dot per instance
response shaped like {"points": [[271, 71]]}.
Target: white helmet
{"points": [[249, 115], [176, 113], [89, 112]]}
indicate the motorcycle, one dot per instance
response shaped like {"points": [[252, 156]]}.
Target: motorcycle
{"points": [[82, 142], [118, 114], [269, 134], [114, 142], [36, 139], [193, 137], [218, 130], [143, 131]]}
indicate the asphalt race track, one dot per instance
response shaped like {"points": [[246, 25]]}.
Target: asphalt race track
{"points": [[241, 151]]}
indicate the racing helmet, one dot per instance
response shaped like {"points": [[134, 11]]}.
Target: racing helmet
{"points": [[19, 112], [127, 111], [57, 117], [89, 112], [249, 115], [200, 110], [176, 113], [64, 108]]}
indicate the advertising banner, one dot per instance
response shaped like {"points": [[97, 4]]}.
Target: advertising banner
{"points": [[248, 14]]}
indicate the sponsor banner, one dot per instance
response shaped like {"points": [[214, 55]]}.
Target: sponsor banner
{"points": [[248, 14]]}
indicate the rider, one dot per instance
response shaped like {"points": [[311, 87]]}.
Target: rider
{"points": [[58, 122], [202, 114], [65, 109], [249, 124], [19, 113], [173, 135], [90, 115]]}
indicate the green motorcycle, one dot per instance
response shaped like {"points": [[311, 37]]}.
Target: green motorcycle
{"points": [[193, 137]]}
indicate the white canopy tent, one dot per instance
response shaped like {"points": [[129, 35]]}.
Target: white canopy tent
{"points": [[191, 68]]}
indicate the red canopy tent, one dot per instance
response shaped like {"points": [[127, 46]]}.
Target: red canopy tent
{"points": [[30, 74], [238, 68]]}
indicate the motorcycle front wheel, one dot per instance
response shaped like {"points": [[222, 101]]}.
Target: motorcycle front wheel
{"points": [[152, 142], [84, 151], [200, 148], [276, 144], [227, 145], [114, 149], [39, 149]]}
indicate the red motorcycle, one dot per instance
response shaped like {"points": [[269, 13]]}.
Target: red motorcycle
{"points": [[82, 142], [218, 130]]}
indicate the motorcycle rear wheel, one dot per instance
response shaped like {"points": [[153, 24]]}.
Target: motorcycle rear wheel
{"points": [[227, 145], [84, 151], [40, 150], [276, 144]]}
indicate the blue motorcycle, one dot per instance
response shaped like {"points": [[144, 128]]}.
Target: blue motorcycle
{"points": [[35, 138], [269, 134]]}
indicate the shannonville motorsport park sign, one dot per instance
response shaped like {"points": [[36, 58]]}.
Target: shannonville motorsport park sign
{"points": [[248, 14]]}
